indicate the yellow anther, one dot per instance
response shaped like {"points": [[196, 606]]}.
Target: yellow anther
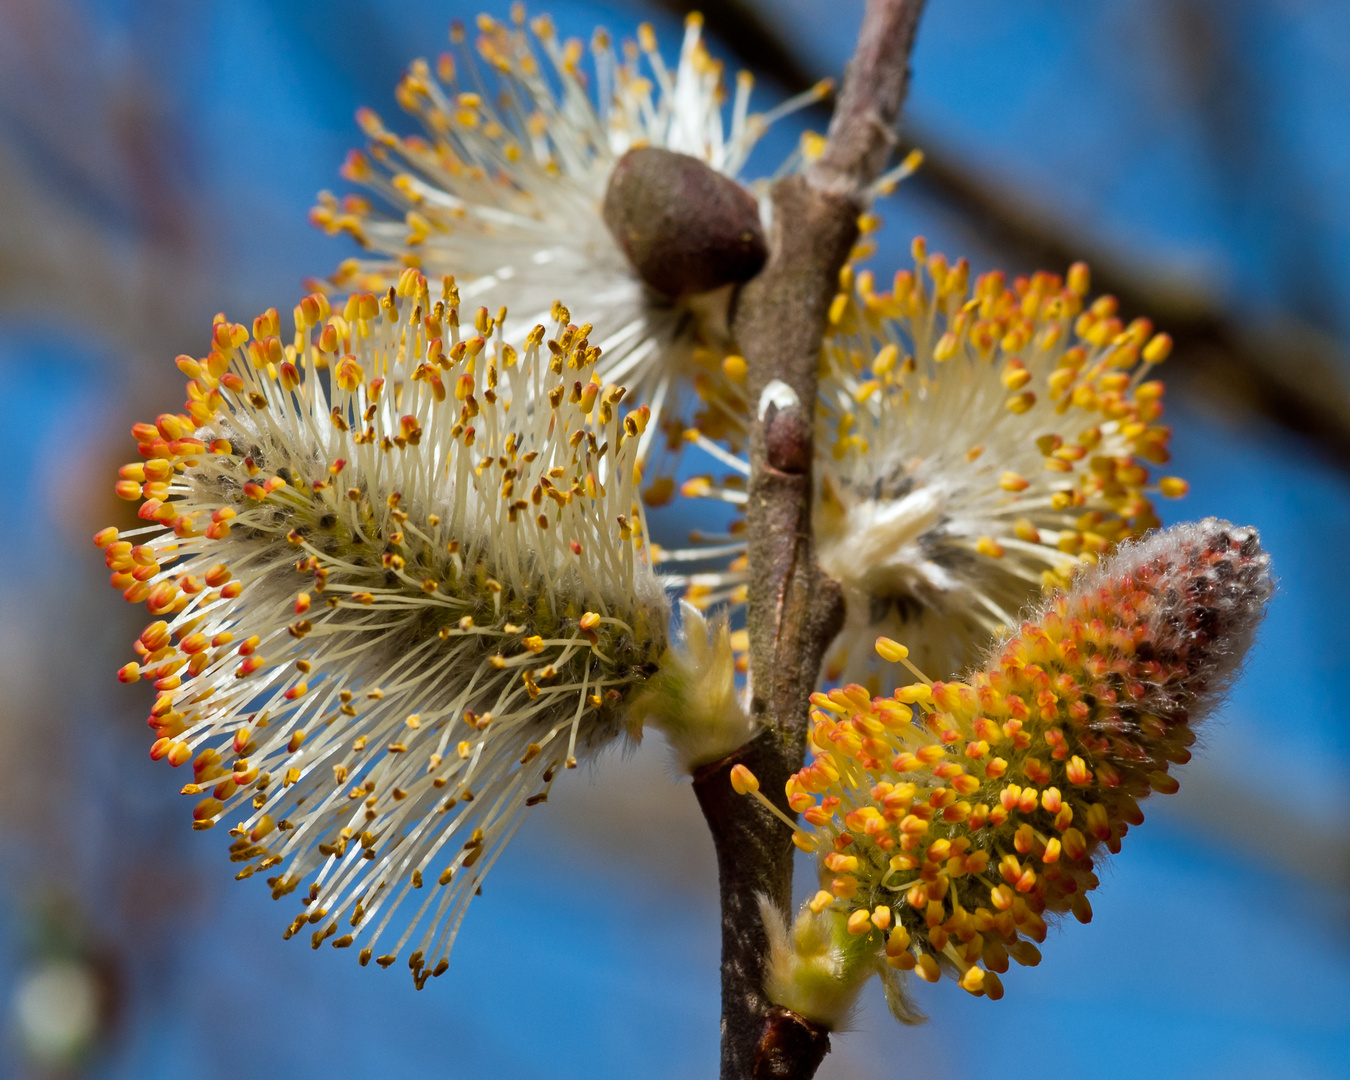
{"points": [[886, 360], [987, 545], [1079, 279], [891, 650], [1158, 349], [735, 368], [973, 980], [927, 968], [743, 780]]}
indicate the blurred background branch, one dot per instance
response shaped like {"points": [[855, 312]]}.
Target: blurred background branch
{"points": [[1281, 366]]}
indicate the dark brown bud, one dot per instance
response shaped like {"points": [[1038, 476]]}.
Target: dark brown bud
{"points": [[684, 226], [787, 439], [790, 1045]]}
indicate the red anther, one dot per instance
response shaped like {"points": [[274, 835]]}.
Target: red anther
{"points": [[162, 597], [155, 636], [118, 555], [310, 308], [966, 784], [1078, 772], [193, 643]]}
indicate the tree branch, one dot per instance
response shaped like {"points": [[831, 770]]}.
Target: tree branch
{"points": [[862, 132], [794, 609]]}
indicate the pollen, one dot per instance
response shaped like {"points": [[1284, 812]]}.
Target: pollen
{"points": [[939, 543], [978, 443], [301, 661], [504, 185], [987, 807]]}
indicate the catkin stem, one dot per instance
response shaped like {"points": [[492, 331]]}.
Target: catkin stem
{"points": [[794, 609]]}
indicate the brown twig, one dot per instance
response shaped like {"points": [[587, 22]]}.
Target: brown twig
{"points": [[794, 609]]}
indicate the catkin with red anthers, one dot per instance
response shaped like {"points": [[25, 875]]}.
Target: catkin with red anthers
{"points": [[953, 819]]}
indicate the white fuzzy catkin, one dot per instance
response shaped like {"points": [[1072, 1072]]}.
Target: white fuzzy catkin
{"points": [[400, 581], [505, 189]]}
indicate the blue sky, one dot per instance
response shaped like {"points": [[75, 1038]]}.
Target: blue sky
{"points": [[593, 950]]}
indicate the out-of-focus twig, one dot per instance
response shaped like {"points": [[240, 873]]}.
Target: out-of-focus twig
{"points": [[1280, 368], [98, 225]]}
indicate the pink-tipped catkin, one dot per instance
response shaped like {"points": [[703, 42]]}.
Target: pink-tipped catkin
{"points": [[961, 814]]}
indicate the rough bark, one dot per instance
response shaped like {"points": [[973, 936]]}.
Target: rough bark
{"points": [[790, 1047]]}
